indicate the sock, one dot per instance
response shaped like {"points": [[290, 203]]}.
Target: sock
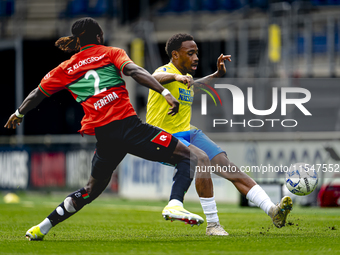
{"points": [[175, 202], [59, 214], [45, 226], [66, 208], [260, 198], [209, 209], [182, 180]]}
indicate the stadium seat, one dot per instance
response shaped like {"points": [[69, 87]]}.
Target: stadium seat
{"points": [[7, 8], [178, 6], [76, 7], [319, 2], [333, 2], [230, 5], [320, 44], [262, 4], [300, 44], [101, 8], [210, 5], [94, 8]]}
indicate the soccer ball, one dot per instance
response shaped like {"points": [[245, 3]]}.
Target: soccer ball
{"points": [[301, 179]]}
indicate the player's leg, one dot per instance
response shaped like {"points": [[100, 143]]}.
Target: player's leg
{"points": [[205, 191], [241, 180], [103, 165], [185, 163], [181, 182], [204, 185], [228, 170], [249, 188], [154, 144], [244, 183], [201, 141], [72, 204]]}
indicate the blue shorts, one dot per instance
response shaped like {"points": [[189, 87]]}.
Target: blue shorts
{"points": [[197, 138]]}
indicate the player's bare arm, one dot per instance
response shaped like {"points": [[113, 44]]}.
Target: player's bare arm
{"points": [[221, 69], [30, 102], [164, 78], [144, 78], [220, 72]]}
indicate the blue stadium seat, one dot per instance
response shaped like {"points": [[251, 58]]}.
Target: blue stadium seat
{"points": [[230, 5], [263, 4], [213, 5], [178, 6], [92, 8], [319, 2], [76, 7], [300, 44], [210, 5], [333, 2], [101, 8], [7, 8], [319, 43]]}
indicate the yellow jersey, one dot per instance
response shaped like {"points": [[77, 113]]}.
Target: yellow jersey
{"points": [[158, 108]]}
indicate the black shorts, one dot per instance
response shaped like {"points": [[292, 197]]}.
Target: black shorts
{"points": [[129, 135]]}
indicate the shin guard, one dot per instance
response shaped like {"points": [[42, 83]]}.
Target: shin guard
{"points": [[72, 204]]}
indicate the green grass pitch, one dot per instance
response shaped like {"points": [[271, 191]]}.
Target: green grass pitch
{"points": [[114, 226]]}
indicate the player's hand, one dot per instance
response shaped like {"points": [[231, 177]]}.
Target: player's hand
{"points": [[221, 69], [184, 79], [173, 103], [13, 121]]}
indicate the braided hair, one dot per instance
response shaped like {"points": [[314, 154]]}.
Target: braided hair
{"points": [[84, 31], [175, 43]]}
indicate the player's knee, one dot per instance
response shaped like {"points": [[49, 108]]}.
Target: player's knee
{"points": [[101, 169], [222, 160], [203, 168], [190, 156], [194, 159], [182, 152], [203, 159]]}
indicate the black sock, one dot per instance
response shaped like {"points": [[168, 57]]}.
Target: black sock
{"points": [[182, 180], [60, 214]]}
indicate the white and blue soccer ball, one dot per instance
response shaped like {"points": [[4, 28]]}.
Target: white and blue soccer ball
{"points": [[301, 179]]}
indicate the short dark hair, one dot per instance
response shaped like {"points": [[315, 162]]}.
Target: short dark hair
{"points": [[175, 42], [84, 31]]}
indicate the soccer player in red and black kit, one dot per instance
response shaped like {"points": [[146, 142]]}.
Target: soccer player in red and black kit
{"points": [[93, 77]]}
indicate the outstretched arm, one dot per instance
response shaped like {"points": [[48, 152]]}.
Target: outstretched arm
{"points": [[144, 78], [30, 102], [164, 78], [221, 71]]}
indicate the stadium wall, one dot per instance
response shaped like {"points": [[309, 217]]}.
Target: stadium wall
{"points": [[265, 161], [47, 167], [66, 166]]}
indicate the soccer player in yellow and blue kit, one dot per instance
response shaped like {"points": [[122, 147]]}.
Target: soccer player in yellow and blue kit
{"points": [[177, 77]]}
